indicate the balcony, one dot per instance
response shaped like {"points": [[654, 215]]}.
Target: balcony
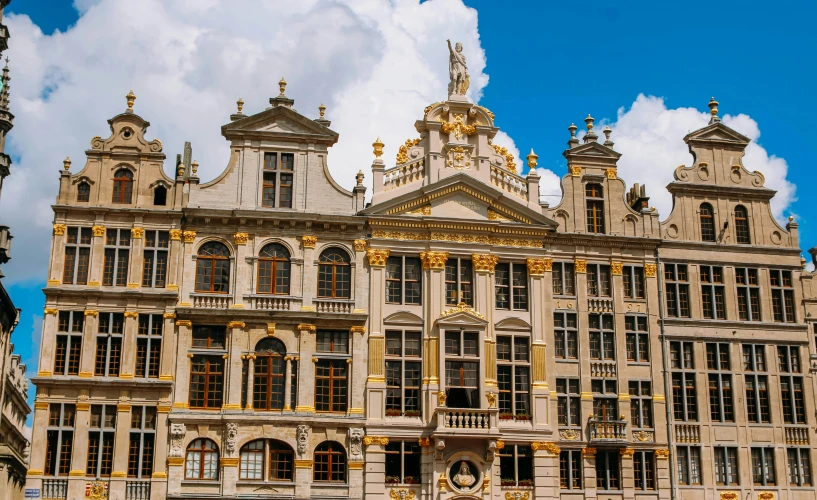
{"points": [[603, 369], [596, 305], [687, 433], [137, 490], [337, 306], [55, 489], [273, 302], [211, 300], [797, 435], [607, 431], [459, 421]]}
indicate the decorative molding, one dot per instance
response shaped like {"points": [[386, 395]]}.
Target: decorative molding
{"points": [[611, 173], [34, 472], [133, 285], [381, 440], [551, 448], [82, 406], [236, 324], [729, 495], [163, 409], [54, 283], [356, 465], [241, 238], [424, 442], [461, 308], [270, 329], [658, 398], [401, 494], [189, 236], [99, 231], [229, 462], [119, 474], [644, 436], [176, 234], [159, 475], [360, 245], [303, 464], [580, 265], [457, 238], [76, 473], [169, 315], [484, 263], [569, 434], [494, 215], [137, 233], [575, 170], [538, 267], [175, 461], [649, 270], [423, 210], [59, 229], [40, 405], [44, 373], [434, 260], [85, 375], [309, 241], [377, 257], [127, 376], [173, 287], [616, 268]]}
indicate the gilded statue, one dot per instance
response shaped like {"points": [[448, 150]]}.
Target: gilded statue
{"points": [[457, 70]]}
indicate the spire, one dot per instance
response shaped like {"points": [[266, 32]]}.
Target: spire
{"points": [[713, 111], [533, 160], [6, 88], [574, 141], [130, 98], [607, 142], [590, 135]]}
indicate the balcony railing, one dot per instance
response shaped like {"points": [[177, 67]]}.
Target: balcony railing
{"points": [[608, 430], [603, 369], [599, 305], [137, 490], [688, 433], [211, 300], [466, 419], [342, 306], [404, 174], [509, 182], [273, 302], [55, 489], [797, 435]]}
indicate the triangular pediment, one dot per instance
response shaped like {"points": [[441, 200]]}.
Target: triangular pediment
{"points": [[278, 121], [458, 317], [717, 132], [593, 149]]}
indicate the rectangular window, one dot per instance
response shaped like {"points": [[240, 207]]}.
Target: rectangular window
{"points": [[68, 350], [100, 441], [638, 339], [403, 460], [782, 296], [684, 396], [331, 391], [608, 470], [757, 389], [689, 465], [117, 257], [142, 441], [602, 337], [516, 466], [763, 467], [676, 280], [154, 267], [569, 402], [149, 345], [209, 336], [404, 280], [726, 466], [641, 404], [644, 470], [277, 180], [712, 292], [720, 383], [403, 373], [511, 286], [206, 381], [77, 256], [799, 463], [633, 282], [335, 341], [570, 469], [462, 364], [459, 282], [605, 399], [564, 279], [109, 344], [791, 386], [513, 374], [598, 280], [748, 294], [59, 439], [594, 199], [566, 333]]}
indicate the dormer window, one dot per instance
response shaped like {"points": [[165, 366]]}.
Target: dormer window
{"points": [[742, 226], [83, 192], [707, 222], [123, 186], [160, 196], [277, 181], [594, 196]]}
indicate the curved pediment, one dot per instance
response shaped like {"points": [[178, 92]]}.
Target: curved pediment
{"points": [[512, 324], [403, 318]]}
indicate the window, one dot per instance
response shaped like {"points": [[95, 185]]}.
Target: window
{"points": [[330, 463], [689, 465], [513, 374], [570, 469], [403, 460], [594, 197], [334, 274], [515, 465], [726, 466], [333, 341], [782, 296], [641, 404], [213, 268], [707, 222], [602, 337], [273, 270], [330, 385], [60, 439], [564, 329], [149, 345], [720, 383], [633, 282], [160, 196], [676, 280], [763, 467], [511, 286], [117, 256], [201, 461], [123, 186], [757, 390], [69, 342], [608, 470], [206, 381], [748, 294], [644, 470], [712, 292], [605, 399], [253, 456], [142, 441], [638, 340], [100, 440], [799, 466], [684, 397], [269, 376], [569, 402], [403, 373], [83, 192], [459, 282], [741, 226], [598, 280], [77, 256], [154, 267], [564, 279], [109, 344], [277, 184], [791, 386], [462, 369], [404, 280]]}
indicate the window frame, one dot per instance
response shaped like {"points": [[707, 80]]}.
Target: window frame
{"points": [[402, 282], [602, 338], [116, 266], [511, 455], [782, 291], [414, 453], [155, 258], [64, 443], [122, 186], [719, 369], [677, 290], [684, 394], [517, 295], [150, 338], [83, 192], [269, 399], [277, 173], [333, 449], [73, 342], [608, 476], [688, 460], [713, 292], [743, 234], [641, 409], [267, 267], [637, 340], [594, 207], [205, 461], [798, 463], [336, 384], [571, 468], [144, 434], [565, 336], [217, 267], [763, 466], [335, 268], [272, 452], [208, 377], [599, 281], [605, 394], [563, 275], [792, 399], [460, 266], [727, 466], [518, 391], [111, 359], [77, 255], [748, 293], [706, 220], [633, 280], [755, 369], [399, 361], [644, 470], [569, 399], [101, 459]]}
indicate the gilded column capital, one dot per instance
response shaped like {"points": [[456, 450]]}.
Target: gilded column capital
{"points": [[50, 310], [370, 440], [434, 260], [240, 238], [575, 170], [309, 241], [649, 270], [189, 236], [484, 263], [662, 454], [358, 329], [175, 234], [580, 265], [611, 173], [616, 268], [236, 324], [91, 312], [137, 232], [303, 327], [589, 452], [546, 446], [360, 245], [59, 229], [538, 267], [184, 322], [377, 256], [626, 452], [99, 231], [131, 314], [169, 315]]}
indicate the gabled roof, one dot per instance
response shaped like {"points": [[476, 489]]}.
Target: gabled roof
{"points": [[279, 122], [594, 151], [717, 133]]}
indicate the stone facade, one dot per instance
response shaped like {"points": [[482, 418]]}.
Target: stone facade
{"points": [[454, 338]]}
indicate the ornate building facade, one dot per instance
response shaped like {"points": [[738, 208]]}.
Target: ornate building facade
{"points": [[267, 334]]}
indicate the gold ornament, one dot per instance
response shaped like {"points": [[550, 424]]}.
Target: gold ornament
{"points": [[580, 265], [130, 98], [538, 267], [309, 241], [240, 238], [459, 127], [378, 148], [377, 257], [484, 263], [402, 152], [434, 260]]}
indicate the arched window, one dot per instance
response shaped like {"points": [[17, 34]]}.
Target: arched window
{"points": [[269, 377], [252, 460], [202, 460], [160, 196], [213, 268], [334, 274], [330, 463], [742, 225], [123, 186], [273, 270], [707, 222], [278, 455], [594, 197], [83, 191]]}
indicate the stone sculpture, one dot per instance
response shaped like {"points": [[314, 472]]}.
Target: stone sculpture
{"points": [[464, 478], [457, 70], [302, 436], [176, 437]]}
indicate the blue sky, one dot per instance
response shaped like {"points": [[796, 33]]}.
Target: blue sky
{"points": [[552, 63]]}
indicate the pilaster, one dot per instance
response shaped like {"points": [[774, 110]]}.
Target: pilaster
{"points": [[128, 367], [233, 365], [86, 363], [306, 369], [182, 375], [47, 342]]}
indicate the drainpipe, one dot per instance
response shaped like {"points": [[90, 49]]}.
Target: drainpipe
{"points": [[667, 391]]}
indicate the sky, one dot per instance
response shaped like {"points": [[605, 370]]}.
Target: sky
{"points": [[646, 69]]}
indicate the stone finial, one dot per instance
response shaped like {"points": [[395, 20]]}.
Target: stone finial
{"points": [[322, 110], [180, 171], [378, 148], [359, 177], [590, 136], [533, 160], [66, 164], [282, 85], [195, 166], [130, 98], [240, 104], [607, 142], [574, 141], [713, 111]]}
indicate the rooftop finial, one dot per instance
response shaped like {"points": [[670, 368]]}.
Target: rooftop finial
{"points": [[607, 142], [322, 109], [130, 97], [713, 111], [240, 104], [378, 148], [195, 166], [574, 141], [359, 177], [533, 160], [282, 85], [590, 136], [66, 163]]}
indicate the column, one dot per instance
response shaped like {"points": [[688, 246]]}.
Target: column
{"points": [[309, 283], [251, 376], [116, 488], [174, 260], [434, 263], [47, 342], [306, 370], [182, 385], [137, 257], [57, 256], [627, 473], [589, 472], [158, 482], [580, 267], [97, 256], [233, 366], [376, 381], [545, 470], [484, 266], [362, 279], [241, 279], [79, 455], [169, 340], [39, 434], [128, 367], [229, 476], [303, 473], [617, 284], [374, 480], [662, 473], [88, 356], [357, 370], [287, 385], [540, 393], [186, 273]]}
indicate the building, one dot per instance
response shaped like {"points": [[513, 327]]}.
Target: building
{"points": [[268, 335]]}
